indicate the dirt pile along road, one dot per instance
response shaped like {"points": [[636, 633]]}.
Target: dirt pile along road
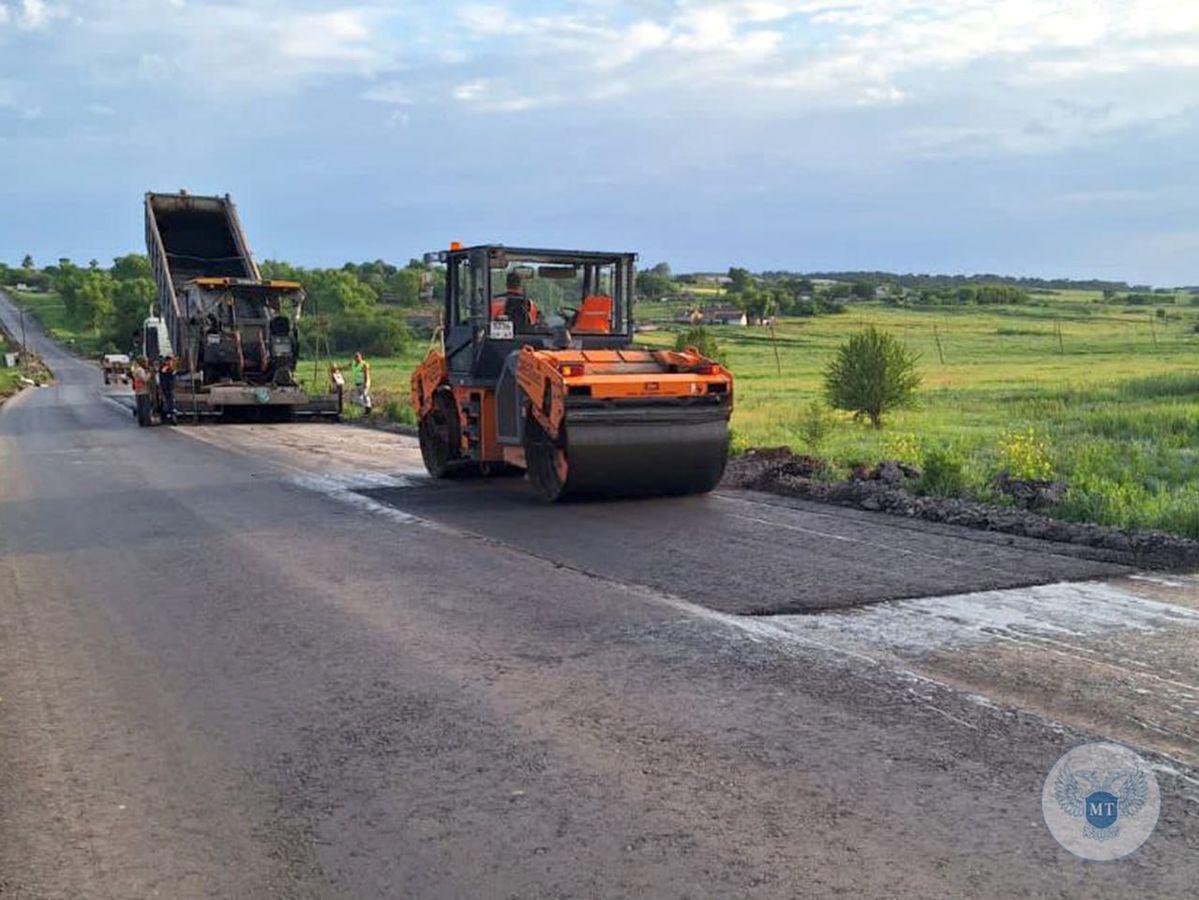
{"points": [[779, 471], [275, 661]]}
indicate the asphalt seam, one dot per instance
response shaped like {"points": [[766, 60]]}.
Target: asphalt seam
{"points": [[999, 539], [852, 540]]}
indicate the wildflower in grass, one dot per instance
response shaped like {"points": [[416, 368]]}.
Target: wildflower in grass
{"points": [[1025, 455], [902, 447], [738, 443]]}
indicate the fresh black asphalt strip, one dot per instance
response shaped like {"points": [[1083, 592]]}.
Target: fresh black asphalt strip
{"points": [[745, 553]]}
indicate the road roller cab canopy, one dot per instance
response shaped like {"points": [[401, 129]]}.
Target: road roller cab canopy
{"points": [[502, 298]]}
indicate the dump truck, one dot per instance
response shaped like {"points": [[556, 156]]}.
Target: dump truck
{"points": [[233, 335], [115, 367], [536, 371]]}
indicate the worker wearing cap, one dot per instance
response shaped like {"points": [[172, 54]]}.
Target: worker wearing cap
{"points": [[516, 305], [361, 370]]}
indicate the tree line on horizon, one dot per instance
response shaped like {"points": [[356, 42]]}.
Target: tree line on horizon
{"points": [[365, 305], [360, 306]]}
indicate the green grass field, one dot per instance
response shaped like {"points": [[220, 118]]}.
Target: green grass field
{"points": [[1113, 400]]}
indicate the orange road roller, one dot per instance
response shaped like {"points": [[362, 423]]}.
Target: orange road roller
{"points": [[535, 370]]}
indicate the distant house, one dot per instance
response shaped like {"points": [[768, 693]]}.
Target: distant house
{"points": [[725, 315], [712, 278], [689, 317]]}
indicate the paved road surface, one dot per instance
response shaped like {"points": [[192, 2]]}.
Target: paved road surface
{"points": [[273, 661]]}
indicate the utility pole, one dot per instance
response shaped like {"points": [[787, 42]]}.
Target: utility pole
{"points": [[24, 346]]}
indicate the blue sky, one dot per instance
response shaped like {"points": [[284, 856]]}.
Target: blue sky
{"points": [[1044, 137]]}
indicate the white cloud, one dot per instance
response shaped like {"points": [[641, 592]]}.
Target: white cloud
{"points": [[634, 42], [392, 92], [250, 48], [30, 15], [965, 69], [339, 36], [471, 90]]}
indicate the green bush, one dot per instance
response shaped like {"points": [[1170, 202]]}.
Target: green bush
{"points": [[375, 333], [944, 472]]}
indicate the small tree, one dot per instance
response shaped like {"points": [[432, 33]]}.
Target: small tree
{"points": [[872, 374], [814, 426], [27, 262], [651, 285], [739, 279], [703, 341]]}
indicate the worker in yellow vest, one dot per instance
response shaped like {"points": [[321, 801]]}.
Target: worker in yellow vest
{"points": [[361, 371]]}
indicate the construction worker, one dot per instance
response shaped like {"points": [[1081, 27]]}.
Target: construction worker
{"points": [[361, 371], [139, 373], [166, 384], [516, 305]]}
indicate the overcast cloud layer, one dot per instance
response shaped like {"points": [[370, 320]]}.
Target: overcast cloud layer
{"points": [[1035, 136]]}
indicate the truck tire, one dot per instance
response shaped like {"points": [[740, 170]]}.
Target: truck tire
{"points": [[440, 436]]}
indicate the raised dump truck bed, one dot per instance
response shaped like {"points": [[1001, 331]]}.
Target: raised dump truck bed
{"points": [[196, 237]]}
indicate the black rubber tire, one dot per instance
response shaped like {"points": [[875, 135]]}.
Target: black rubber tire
{"points": [[439, 437], [540, 458]]}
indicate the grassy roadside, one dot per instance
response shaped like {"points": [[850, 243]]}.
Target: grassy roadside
{"points": [[50, 313], [9, 383], [10, 379]]}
